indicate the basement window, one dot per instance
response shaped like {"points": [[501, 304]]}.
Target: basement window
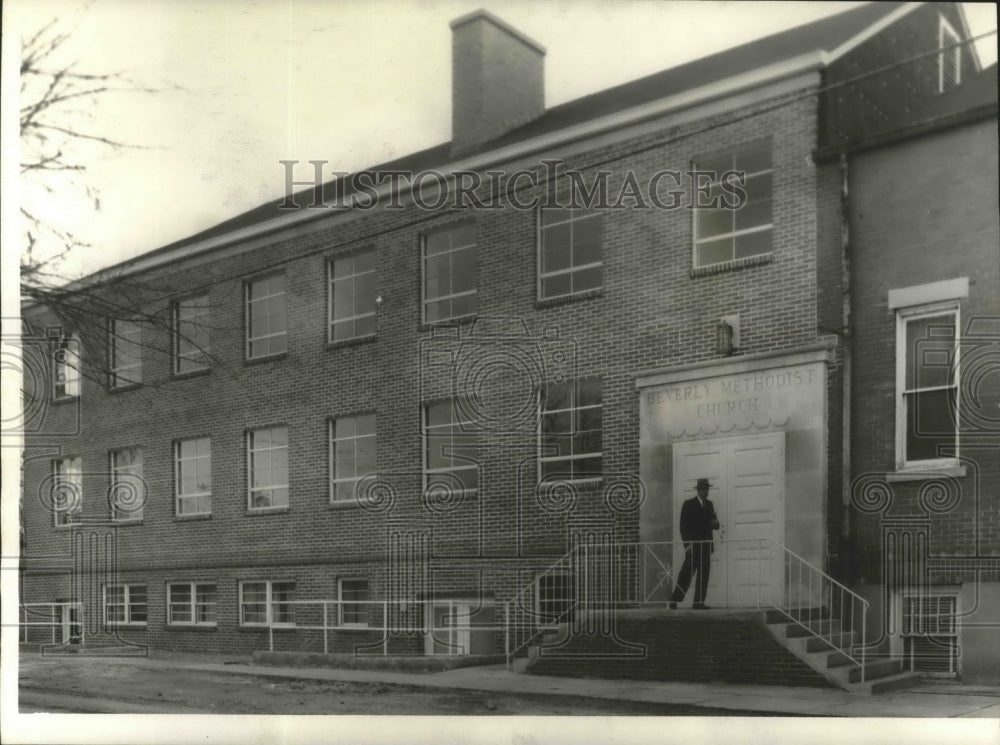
{"points": [[930, 634]]}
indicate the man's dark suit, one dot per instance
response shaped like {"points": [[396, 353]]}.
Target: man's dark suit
{"points": [[697, 522]]}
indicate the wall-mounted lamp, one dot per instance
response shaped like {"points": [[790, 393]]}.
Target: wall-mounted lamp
{"points": [[727, 335]]}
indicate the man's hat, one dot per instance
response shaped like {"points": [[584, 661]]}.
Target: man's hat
{"points": [[703, 483]]}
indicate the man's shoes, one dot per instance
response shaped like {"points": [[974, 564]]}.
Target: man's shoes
{"points": [[700, 606], [673, 605]]}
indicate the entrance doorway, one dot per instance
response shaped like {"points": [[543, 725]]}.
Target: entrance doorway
{"points": [[69, 628], [748, 477]]}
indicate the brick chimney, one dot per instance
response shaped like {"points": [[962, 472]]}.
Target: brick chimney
{"points": [[498, 79]]}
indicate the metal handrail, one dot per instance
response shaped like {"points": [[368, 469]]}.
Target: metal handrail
{"points": [[52, 621]]}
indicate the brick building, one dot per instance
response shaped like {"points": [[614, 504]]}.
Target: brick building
{"points": [[381, 428]]}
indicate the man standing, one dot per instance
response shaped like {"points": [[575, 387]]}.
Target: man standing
{"points": [[698, 520]]}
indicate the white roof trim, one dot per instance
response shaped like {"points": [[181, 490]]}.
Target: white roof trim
{"points": [[967, 34], [869, 32]]}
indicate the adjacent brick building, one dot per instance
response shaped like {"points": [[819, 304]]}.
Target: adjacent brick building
{"points": [[393, 420]]}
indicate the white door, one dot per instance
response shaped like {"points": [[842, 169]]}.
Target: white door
{"points": [[747, 474], [449, 629]]}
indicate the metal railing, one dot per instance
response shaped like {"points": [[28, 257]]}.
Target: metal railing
{"points": [[54, 615], [585, 587]]}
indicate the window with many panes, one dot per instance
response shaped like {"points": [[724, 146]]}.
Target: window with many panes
{"points": [[449, 450], [191, 335], [725, 231], [570, 259], [125, 604], [353, 602], [128, 488], [451, 273], [193, 476], [267, 603], [67, 490], [950, 56], [191, 603], [930, 633], [268, 460], [66, 367], [125, 345], [927, 385], [352, 296], [570, 430], [352, 454], [267, 325]]}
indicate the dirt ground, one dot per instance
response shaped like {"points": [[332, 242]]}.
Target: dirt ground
{"points": [[102, 685]]}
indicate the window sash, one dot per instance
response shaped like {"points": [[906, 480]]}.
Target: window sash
{"points": [[546, 228], [573, 459], [457, 440], [345, 326], [344, 470], [264, 462], [353, 613], [66, 373], [267, 295], [271, 603], [126, 352], [191, 603], [191, 335], [907, 396], [68, 471], [187, 468], [453, 286], [125, 604], [126, 468]]}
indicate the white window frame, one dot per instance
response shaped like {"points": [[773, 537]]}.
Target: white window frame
{"points": [[121, 473], [734, 233], [268, 604], [362, 604], [66, 368], [573, 268], [946, 30], [333, 440], [573, 409], [903, 316], [123, 333], [197, 358], [425, 301], [127, 609], [468, 439], [937, 594], [252, 452], [332, 279], [192, 603], [179, 495], [250, 339], [68, 470]]}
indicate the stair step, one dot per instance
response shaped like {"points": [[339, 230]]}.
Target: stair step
{"points": [[816, 627], [777, 616], [836, 660], [889, 683], [876, 670], [838, 640]]}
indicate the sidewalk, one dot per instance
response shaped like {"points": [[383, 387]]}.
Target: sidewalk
{"points": [[926, 700]]}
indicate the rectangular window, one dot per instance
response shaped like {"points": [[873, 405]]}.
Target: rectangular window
{"points": [[126, 352], [722, 234], [128, 488], [267, 603], [267, 326], [930, 633], [352, 454], [191, 603], [570, 252], [193, 476], [555, 598], [950, 57], [927, 386], [268, 459], [66, 367], [353, 602], [451, 274], [449, 451], [570, 430], [67, 490], [352, 296], [191, 337], [125, 604]]}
